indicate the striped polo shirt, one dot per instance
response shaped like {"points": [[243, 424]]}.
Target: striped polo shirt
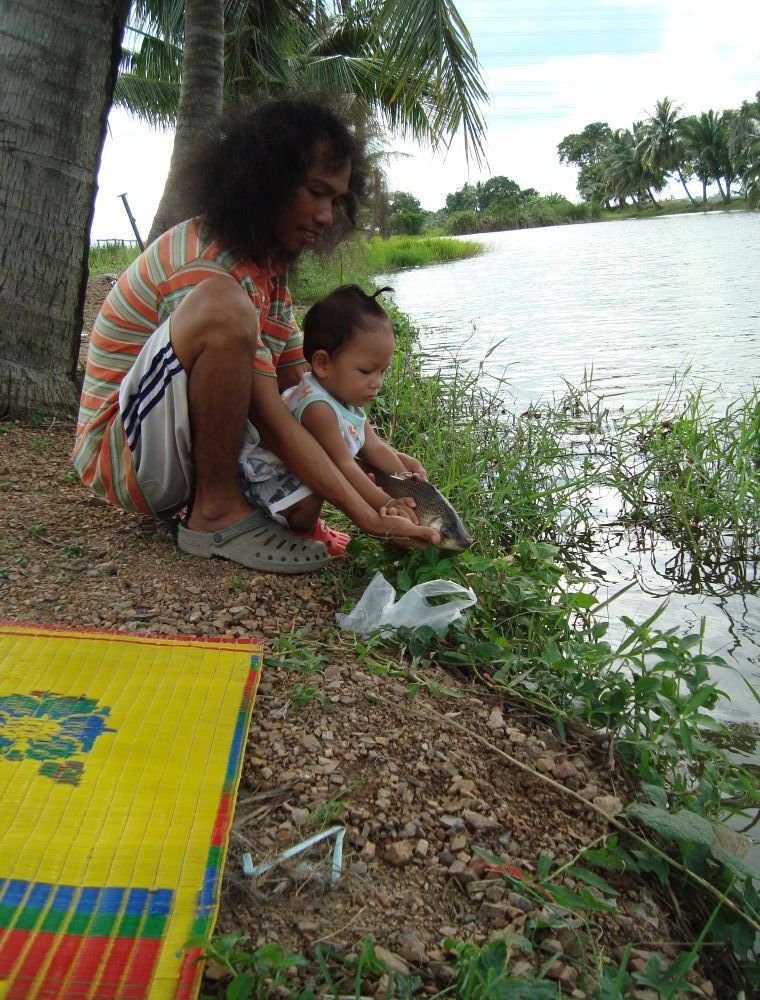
{"points": [[144, 296]]}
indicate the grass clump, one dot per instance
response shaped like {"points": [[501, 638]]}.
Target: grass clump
{"points": [[356, 259], [111, 257], [694, 477], [399, 252]]}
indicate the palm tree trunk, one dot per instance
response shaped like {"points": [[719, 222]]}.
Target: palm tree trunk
{"points": [[683, 182], [58, 66], [720, 188], [200, 104], [654, 200]]}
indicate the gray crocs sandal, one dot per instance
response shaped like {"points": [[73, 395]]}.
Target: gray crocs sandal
{"points": [[258, 543]]}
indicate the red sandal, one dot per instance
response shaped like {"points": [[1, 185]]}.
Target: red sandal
{"points": [[334, 541]]}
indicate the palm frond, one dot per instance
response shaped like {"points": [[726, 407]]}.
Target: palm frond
{"points": [[152, 101], [428, 40]]}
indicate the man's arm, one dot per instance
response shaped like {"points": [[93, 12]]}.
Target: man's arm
{"points": [[290, 375], [303, 455]]}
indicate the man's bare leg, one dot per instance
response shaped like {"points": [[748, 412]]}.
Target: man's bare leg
{"points": [[214, 333]]}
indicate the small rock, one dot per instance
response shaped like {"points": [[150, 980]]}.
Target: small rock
{"points": [[551, 945], [421, 848], [564, 771], [383, 986], [300, 816], [452, 822], [399, 853], [478, 822], [368, 851], [568, 977], [412, 948], [495, 720], [493, 912], [520, 902], [443, 973], [478, 886], [458, 842], [393, 962], [496, 892], [461, 872], [556, 971], [306, 926], [609, 804]]}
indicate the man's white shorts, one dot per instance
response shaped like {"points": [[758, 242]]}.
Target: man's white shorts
{"points": [[154, 412]]}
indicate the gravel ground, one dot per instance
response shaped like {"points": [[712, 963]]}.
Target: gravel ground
{"points": [[423, 784]]}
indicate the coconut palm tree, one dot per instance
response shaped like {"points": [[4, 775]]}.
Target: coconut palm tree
{"points": [[661, 142], [57, 74], [706, 145], [407, 64], [625, 173], [743, 140]]}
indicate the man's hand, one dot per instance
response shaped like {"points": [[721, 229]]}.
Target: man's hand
{"points": [[412, 465]]}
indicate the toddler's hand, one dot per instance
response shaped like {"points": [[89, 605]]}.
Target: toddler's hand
{"points": [[402, 507], [412, 465]]}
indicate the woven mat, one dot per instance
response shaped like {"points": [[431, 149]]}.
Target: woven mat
{"points": [[120, 757]]}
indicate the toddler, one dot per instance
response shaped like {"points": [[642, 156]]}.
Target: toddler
{"points": [[349, 343]]}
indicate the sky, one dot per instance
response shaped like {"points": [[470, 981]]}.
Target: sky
{"points": [[550, 67]]}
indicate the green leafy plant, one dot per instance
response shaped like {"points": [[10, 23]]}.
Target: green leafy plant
{"points": [[331, 810], [483, 973], [253, 974], [302, 695], [296, 652]]}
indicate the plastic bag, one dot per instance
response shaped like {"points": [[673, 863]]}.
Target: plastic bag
{"points": [[379, 609]]}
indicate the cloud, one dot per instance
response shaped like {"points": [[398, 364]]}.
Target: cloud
{"points": [[699, 64]]}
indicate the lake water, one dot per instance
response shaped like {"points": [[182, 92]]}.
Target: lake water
{"points": [[638, 302]]}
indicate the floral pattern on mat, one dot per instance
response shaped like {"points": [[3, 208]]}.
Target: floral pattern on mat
{"points": [[52, 729]]}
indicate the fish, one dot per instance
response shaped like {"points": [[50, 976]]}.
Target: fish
{"points": [[432, 507]]}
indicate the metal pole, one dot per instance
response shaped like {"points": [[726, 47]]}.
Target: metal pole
{"points": [[132, 220]]}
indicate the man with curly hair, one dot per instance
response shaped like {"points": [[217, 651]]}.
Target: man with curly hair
{"points": [[197, 337]]}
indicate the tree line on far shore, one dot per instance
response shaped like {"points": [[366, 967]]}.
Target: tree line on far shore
{"points": [[616, 168], [721, 148]]}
